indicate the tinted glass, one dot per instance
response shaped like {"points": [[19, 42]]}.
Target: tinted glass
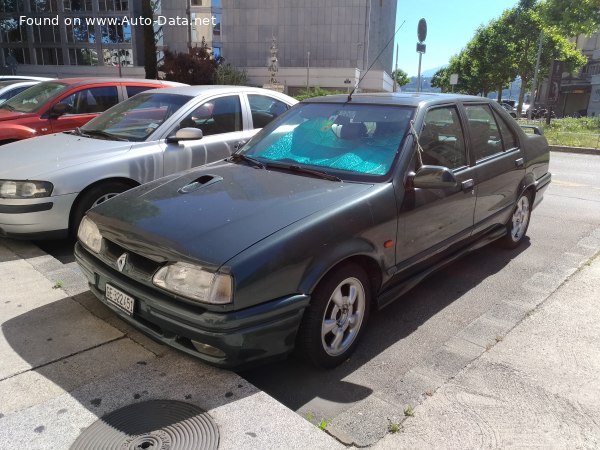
{"points": [[264, 109], [91, 101], [12, 93], [485, 137], [219, 115], [509, 137], [354, 141], [138, 117], [442, 139], [132, 90], [34, 98]]}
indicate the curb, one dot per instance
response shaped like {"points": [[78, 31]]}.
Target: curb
{"points": [[579, 150]]}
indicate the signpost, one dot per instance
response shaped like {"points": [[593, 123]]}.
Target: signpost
{"points": [[421, 34], [453, 80]]}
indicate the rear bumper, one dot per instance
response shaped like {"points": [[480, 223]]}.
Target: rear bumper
{"points": [[236, 338]]}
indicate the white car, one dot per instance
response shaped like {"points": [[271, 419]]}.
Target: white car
{"points": [[49, 182], [23, 78], [9, 89]]}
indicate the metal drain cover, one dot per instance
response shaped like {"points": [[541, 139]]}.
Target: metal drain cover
{"points": [[151, 425]]}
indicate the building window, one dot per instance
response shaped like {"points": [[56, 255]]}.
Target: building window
{"points": [[83, 57], [49, 56], [216, 51], [44, 5], [114, 57], [116, 34], [80, 33], [217, 26], [11, 6], [216, 3], [196, 2], [12, 32], [77, 5], [113, 5], [45, 34]]}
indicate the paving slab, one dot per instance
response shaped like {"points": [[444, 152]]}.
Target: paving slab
{"points": [[537, 388], [67, 361]]}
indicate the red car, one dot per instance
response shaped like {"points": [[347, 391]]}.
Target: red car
{"points": [[62, 105]]}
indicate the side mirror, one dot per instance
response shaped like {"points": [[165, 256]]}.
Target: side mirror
{"points": [[186, 134], [58, 110], [434, 177]]}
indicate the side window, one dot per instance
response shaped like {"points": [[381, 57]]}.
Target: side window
{"points": [[92, 100], [485, 137], [132, 90], [509, 137], [442, 139], [219, 115], [264, 109]]}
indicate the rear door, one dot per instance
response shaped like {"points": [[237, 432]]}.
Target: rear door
{"points": [[433, 219], [83, 105], [499, 165]]}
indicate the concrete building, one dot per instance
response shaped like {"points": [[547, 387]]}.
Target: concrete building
{"points": [[325, 43]]}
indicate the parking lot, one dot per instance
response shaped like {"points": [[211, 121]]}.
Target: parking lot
{"points": [[411, 348]]}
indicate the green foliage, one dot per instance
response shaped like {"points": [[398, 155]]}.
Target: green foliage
{"points": [[409, 411], [573, 132], [228, 74], [316, 92], [393, 427], [58, 285], [571, 17], [196, 67], [323, 424], [401, 77]]}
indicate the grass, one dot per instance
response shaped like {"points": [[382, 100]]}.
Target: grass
{"points": [[409, 411], [58, 285], [393, 427], [323, 424], [571, 132]]}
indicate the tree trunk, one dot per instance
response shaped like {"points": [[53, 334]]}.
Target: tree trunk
{"points": [[149, 43], [524, 82], [500, 92]]}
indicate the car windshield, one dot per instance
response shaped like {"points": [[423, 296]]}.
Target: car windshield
{"points": [[351, 141], [34, 98], [136, 118]]}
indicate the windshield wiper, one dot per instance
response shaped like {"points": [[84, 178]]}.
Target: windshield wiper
{"points": [[105, 134], [248, 159], [306, 170]]}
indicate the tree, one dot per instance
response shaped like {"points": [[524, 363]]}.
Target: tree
{"points": [[441, 79], [195, 67], [401, 77], [228, 74], [150, 63], [571, 17]]}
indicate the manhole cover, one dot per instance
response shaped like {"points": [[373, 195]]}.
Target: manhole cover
{"points": [[152, 425]]}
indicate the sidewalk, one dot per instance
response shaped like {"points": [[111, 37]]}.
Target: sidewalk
{"points": [[66, 361], [539, 387]]}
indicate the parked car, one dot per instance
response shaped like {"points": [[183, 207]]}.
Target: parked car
{"points": [[339, 206], [23, 78], [63, 105], [46, 185], [9, 89]]}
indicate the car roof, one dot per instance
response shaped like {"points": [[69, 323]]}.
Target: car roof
{"points": [[398, 98], [220, 89], [90, 80], [13, 84], [23, 78]]}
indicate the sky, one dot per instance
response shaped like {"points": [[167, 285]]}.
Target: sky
{"points": [[450, 25]]}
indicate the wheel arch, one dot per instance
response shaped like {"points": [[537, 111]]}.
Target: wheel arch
{"points": [[128, 181]]}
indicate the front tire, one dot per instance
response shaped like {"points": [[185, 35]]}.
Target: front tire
{"points": [[94, 197], [334, 321], [517, 226]]}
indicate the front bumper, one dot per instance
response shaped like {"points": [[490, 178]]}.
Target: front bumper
{"points": [[261, 332], [36, 218]]}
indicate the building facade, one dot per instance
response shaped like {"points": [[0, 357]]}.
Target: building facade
{"points": [[325, 43]]}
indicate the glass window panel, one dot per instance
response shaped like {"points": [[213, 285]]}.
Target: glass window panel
{"points": [[442, 139], [485, 137]]}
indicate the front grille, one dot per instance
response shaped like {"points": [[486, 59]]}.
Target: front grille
{"points": [[137, 267]]}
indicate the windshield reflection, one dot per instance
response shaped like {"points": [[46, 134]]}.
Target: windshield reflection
{"points": [[33, 98]]}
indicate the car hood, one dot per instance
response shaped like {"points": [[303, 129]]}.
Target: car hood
{"points": [[37, 158], [6, 115], [236, 207]]}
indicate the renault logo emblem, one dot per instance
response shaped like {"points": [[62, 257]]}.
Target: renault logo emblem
{"points": [[121, 262]]}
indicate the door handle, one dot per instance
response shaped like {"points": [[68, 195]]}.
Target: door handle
{"points": [[519, 162], [468, 184]]}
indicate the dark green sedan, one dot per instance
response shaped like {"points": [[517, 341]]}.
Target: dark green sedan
{"points": [[337, 207]]}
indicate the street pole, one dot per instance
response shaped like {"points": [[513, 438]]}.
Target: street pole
{"points": [[396, 70], [307, 72], [419, 73], [535, 76]]}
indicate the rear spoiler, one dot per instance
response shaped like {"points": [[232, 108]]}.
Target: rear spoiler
{"points": [[536, 130]]}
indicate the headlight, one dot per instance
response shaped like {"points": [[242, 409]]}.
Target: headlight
{"points": [[25, 189], [89, 235], [195, 283]]}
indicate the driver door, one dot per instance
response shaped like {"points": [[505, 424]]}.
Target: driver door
{"points": [[222, 125], [433, 219]]}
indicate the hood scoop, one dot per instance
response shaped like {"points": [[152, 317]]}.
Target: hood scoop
{"points": [[203, 181]]}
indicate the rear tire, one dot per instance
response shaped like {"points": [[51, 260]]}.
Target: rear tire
{"points": [[517, 225], [94, 197], [334, 321]]}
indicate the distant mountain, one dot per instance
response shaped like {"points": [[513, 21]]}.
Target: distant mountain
{"points": [[430, 72]]}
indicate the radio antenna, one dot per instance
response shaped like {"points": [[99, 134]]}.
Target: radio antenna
{"points": [[374, 61]]}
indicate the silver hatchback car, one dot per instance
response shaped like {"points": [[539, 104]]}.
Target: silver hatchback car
{"points": [[48, 183]]}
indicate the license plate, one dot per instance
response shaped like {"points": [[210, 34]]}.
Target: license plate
{"points": [[120, 299]]}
